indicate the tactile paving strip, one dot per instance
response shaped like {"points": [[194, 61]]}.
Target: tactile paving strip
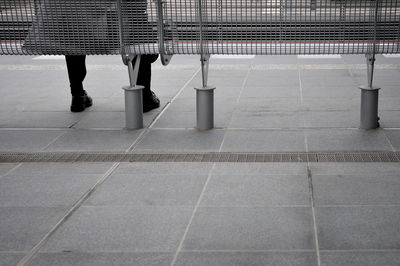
{"points": [[290, 157]]}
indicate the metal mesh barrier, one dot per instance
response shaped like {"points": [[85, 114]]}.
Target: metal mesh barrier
{"points": [[199, 26], [59, 27], [282, 26]]}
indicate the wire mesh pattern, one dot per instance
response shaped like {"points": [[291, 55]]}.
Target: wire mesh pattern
{"points": [[262, 27]]}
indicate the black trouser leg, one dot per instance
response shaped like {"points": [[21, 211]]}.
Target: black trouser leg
{"points": [[76, 72], [144, 75]]}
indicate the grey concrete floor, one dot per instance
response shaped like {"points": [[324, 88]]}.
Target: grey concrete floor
{"points": [[200, 213]]}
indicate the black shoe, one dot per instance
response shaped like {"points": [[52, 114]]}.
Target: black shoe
{"points": [[80, 102], [151, 102]]}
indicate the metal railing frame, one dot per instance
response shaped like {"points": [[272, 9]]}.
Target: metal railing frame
{"points": [[205, 93]]}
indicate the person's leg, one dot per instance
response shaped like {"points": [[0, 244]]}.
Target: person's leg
{"points": [[150, 100], [76, 66]]}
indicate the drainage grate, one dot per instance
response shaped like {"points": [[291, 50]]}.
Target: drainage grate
{"points": [[21, 157]]}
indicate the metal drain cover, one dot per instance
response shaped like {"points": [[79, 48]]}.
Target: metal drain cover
{"points": [[290, 157]]}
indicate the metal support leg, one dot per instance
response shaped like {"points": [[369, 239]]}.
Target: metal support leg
{"points": [[369, 99], [369, 107], [205, 99], [205, 107], [133, 95]]}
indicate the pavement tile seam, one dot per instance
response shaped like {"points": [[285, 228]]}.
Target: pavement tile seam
{"points": [[11, 170], [196, 207], [388, 140], [313, 210], [68, 213], [235, 108], [192, 251], [159, 115], [247, 251]]}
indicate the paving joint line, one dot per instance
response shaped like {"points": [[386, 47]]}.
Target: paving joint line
{"points": [[11, 170], [235, 108], [179, 249], [311, 189], [150, 126], [66, 216]]}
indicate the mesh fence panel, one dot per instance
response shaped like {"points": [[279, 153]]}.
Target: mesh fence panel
{"points": [[194, 26], [283, 26], [59, 27]]}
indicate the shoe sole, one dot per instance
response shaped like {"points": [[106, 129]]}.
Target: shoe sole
{"points": [[80, 108], [148, 108]]}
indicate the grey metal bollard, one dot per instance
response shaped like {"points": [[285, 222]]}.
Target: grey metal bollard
{"points": [[205, 107], [133, 107], [369, 107]]}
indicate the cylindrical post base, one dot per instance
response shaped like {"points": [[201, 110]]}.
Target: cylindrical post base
{"points": [[205, 107], [369, 107], [133, 107]]}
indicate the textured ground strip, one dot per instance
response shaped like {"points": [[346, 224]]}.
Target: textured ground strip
{"points": [[21, 157]]}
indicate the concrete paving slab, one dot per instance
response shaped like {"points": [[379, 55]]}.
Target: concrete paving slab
{"points": [[260, 105], [330, 99], [358, 169], [49, 104], [256, 190], [273, 78], [102, 120], [271, 169], [247, 258], [42, 120], [102, 259], [382, 77], [104, 83], [266, 120], [141, 189], [389, 103], [220, 78], [46, 191], [275, 59], [320, 59], [27, 140], [389, 91], [355, 59], [264, 141], [267, 90], [222, 91], [115, 120], [361, 227], [188, 120], [95, 140], [30, 82], [251, 229], [164, 168], [394, 138], [221, 105], [177, 140], [332, 104], [8, 258], [360, 258], [347, 140], [331, 91], [372, 189], [6, 167], [23, 227], [121, 228], [63, 169], [331, 119]]}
